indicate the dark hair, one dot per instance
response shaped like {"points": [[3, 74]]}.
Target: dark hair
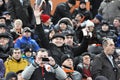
{"points": [[42, 50], [117, 18]]}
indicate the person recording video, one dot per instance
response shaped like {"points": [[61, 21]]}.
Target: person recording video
{"points": [[43, 68]]}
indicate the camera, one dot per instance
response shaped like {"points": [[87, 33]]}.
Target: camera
{"points": [[45, 59]]}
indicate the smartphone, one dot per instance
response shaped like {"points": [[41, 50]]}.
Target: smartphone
{"points": [[45, 59]]}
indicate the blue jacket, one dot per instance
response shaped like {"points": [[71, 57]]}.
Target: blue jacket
{"points": [[25, 42], [29, 59]]}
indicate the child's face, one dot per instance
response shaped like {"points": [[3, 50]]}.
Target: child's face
{"points": [[28, 54]]}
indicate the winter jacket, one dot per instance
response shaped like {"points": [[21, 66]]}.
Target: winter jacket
{"points": [[57, 52], [101, 66], [25, 42], [108, 34], [22, 11], [29, 59], [62, 10], [109, 10], [2, 69], [13, 65], [35, 72]]}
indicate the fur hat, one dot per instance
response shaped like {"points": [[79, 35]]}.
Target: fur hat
{"points": [[66, 56], [73, 2], [44, 18]]}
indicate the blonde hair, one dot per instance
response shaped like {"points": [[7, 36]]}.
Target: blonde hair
{"points": [[18, 21]]}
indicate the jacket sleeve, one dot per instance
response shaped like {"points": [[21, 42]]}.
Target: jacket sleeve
{"points": [[2, 69], [60, 74], [11, 8], [96, 67], [40, 32], [82, 48], [27, 73]]}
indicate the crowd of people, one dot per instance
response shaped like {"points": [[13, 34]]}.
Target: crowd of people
{"points": [[69, 45]]}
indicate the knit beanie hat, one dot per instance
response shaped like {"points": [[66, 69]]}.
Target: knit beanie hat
{"points": [[82, 2], [66, 56], [44, 18], [73, 2], [99, 17], [89, 23], [101, 78], [11, 75]]}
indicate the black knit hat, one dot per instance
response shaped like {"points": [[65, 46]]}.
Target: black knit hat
{"points": [[101, 78], [66, 56], [73, 2], [99, 17], [82, 2], [11, 75], [58, 35], [105, 22]]}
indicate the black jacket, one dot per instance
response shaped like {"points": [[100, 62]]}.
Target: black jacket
{"points": [[62, 10], [23, 12], [57, 52]]}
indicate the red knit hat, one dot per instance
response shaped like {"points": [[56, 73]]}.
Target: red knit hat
{"points": [[44, 18]]}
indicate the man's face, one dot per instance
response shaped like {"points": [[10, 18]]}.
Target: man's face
{"points": [[3, 41], [96, 21], [110, 48], [27, 34], [7, 16], [2, 21], [58, 41], [40, 55], [116, 23], [2, 30], [82, 6], [86, 59], [16, 54], [68, 62], [69, 40]]}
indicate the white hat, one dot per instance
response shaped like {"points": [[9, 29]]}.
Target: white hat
{"points": [[89, 23]]}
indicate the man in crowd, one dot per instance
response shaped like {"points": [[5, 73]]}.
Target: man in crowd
{"points": [[26, 41], [15, 62], [43, 68], [104, 64]]}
